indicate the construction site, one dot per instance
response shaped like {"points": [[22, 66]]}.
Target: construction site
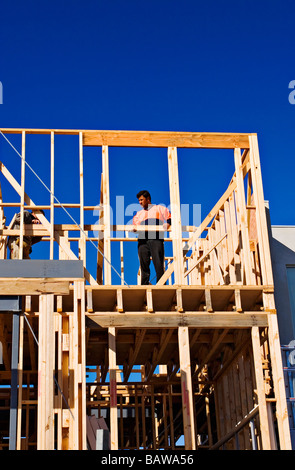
{"points": [[91, 362]]}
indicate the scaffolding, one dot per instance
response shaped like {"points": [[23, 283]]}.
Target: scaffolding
{"points": [[194, 357]]}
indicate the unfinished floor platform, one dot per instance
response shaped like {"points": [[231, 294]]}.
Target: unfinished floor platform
{"points": [[192, 362]]}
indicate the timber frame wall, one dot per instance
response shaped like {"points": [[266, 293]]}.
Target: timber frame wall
{"points": [[212, 328]]}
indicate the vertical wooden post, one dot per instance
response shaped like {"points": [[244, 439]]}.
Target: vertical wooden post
{"points": [[82, 241], [234, 233], [113, 389], [100, 251], [64, 237], [260, 389], [250, 280], [22, 195], [262, 232], [45, 436], [51, 195], [164, 407], [82, 359], [279, 383], [136, 417], [20, 381], [14, 382], [2, 225], [122, 261], [171, 421], [186, 389], [77, 366], [176, 227], [154, 417], [143, 422], [229, 240], [64, 380], [107, 214], [58, 398]]}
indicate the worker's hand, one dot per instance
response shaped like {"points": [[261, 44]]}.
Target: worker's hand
{"points": [[166, 226], [36, 221], [134, 228]]}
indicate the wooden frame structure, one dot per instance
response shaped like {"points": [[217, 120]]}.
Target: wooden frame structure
{"points": [[203, 342]]}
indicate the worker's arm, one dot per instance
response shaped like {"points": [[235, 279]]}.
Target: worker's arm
{"points": [[166, 226]]}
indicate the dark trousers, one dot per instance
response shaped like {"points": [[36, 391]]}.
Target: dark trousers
{"points": [[146, 250]]}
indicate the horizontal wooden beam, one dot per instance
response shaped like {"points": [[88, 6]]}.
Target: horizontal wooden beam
{"points": [[148, 138], [165, 139], [21, 286], [156, 287], [11, 130], [173, 320]]}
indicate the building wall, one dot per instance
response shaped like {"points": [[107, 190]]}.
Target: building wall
{"points": [[282, 243]]}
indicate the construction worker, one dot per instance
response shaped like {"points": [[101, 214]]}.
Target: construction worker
{"points": [[151, 244], [28, 241]]}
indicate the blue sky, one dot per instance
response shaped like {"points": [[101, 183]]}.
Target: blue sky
{"points": [[151, 65]]}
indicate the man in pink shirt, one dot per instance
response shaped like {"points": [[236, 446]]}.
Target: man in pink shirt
{"points": [[151, 244]]}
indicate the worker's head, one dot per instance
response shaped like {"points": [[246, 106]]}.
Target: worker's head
{"points": [[144, 198]]}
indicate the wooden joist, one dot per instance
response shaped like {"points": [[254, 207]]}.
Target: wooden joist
{"points": [[170, 320]]}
